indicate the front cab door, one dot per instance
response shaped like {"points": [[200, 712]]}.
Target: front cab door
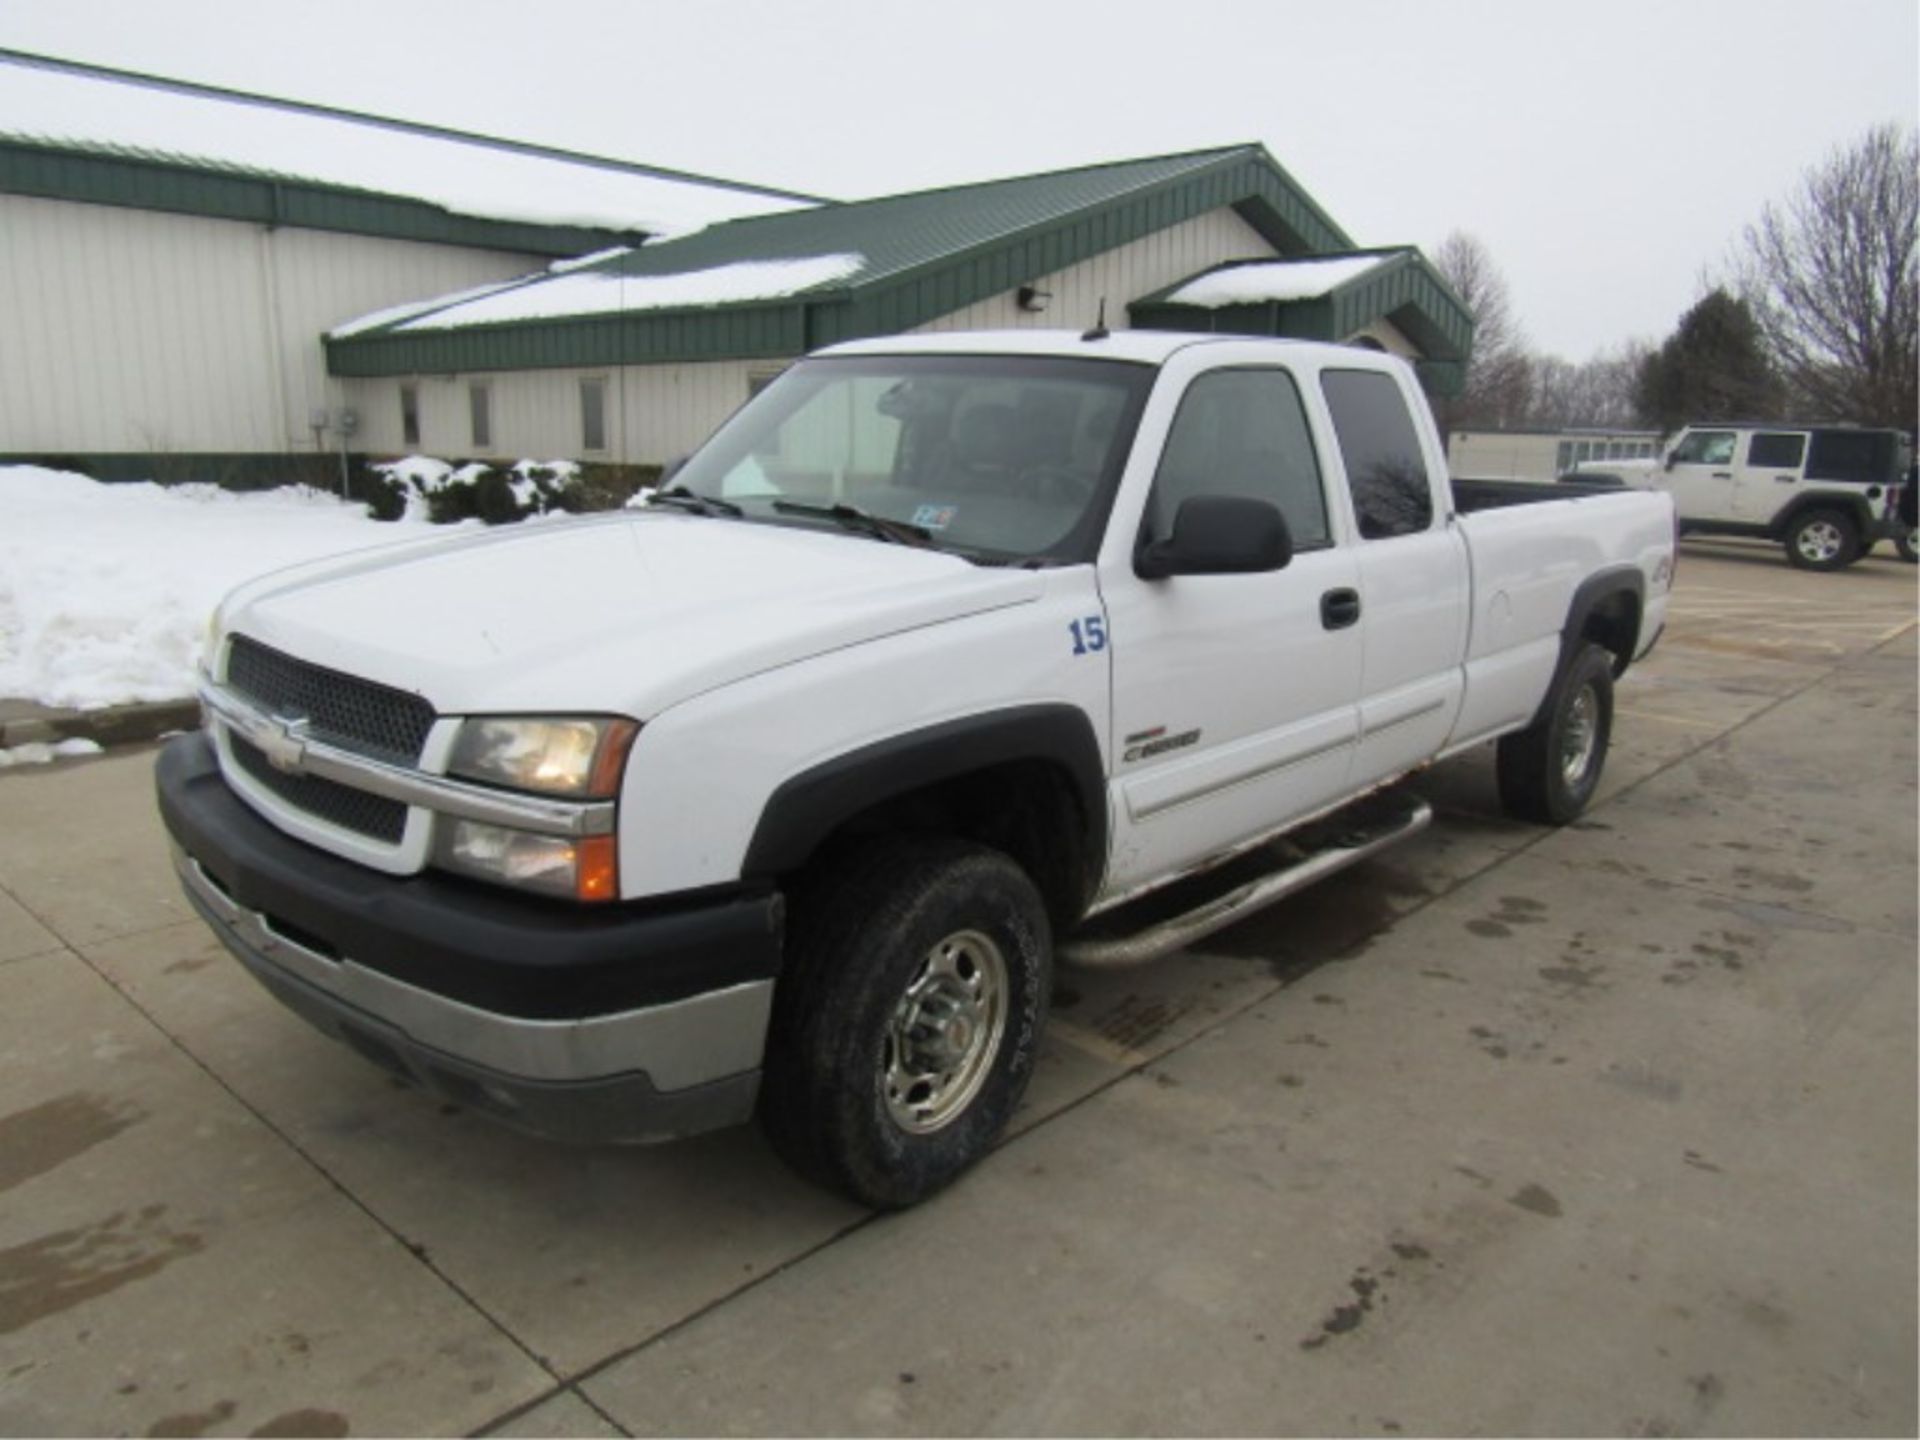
{"points": [[1234, 695]]}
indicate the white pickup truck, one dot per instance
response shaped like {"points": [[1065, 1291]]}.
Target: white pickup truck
{"points": [[781, 795]]}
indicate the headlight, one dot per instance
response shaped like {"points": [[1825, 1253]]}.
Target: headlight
{"points": [[578, 758], [578, 869]]}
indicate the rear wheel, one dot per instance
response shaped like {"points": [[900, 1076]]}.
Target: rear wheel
{"points": [[906, 1022], [1823, 540], [1549, 771], [1905, 542]]}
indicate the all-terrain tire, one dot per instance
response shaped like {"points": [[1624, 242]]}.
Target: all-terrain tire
{"points": [[907, 1017], [1549, 771], [1823, 540], [1904, 543]]}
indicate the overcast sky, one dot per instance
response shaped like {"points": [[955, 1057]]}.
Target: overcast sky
{"points": [[1607, 152]]}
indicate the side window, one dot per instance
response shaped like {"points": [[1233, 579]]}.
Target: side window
{"points": [[480, 413], [1705, 447], [1385, 470], [1242, 433], [1775, 451], [1864, 456], [409, 415], [593, 414]]}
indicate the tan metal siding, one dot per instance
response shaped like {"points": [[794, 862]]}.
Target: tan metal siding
{"points": [[655, 413], [131, 330], [1126, 273]]}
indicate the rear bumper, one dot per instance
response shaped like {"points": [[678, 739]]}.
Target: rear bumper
{"points": [[612, 1026]]}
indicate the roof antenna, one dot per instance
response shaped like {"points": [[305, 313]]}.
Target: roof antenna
{"points": [[1099, 330]]}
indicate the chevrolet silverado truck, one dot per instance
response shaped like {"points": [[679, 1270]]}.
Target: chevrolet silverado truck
{"points": [[1825, 493], [944, 656]]}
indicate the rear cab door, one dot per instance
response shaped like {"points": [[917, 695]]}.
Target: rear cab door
{"points": [[1413, 575], [1772, 465]]}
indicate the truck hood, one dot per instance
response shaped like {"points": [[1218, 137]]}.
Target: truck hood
{"points": [[624, 614]]}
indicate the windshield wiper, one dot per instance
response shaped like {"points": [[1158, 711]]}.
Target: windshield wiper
{"points": [[682, 498], [852, 517]]}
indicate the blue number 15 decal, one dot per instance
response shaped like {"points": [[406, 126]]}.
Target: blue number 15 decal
{"points": [[1088, 634]]}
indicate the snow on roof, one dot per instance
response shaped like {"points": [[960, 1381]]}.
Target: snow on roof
{"points": [[600, 292], [468, 175], [1274, 280]]}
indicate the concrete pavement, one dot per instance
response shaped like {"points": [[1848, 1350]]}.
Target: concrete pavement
{"points": [[1603, 1130]]}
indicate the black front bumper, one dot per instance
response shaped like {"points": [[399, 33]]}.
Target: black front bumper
{"points": [[590, 1023]]}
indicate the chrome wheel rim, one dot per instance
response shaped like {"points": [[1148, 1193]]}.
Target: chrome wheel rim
{"points": [[1579, 735], [945, 1032], [1820, 540]]}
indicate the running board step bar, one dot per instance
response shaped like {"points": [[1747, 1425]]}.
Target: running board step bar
{"points": [[1316, 851]]}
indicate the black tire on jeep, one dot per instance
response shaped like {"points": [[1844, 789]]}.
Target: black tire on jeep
{"points": [[1549, 771], [1823, 540], [907, 1017]]}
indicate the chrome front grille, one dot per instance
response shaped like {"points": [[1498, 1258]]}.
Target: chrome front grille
{"points": [[364, 813], [341, 709]]}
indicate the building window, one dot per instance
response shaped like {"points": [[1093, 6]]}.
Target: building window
{"points": [[1563, 457], [480, 410], [593, 414], [409, 414]]}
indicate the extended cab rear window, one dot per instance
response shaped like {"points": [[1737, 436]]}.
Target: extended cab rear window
{"points": [[1385, 470]]}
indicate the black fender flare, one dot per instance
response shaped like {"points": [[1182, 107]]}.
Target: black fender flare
{"points": [[1592, 592], [806, 808], [1855, 505]]}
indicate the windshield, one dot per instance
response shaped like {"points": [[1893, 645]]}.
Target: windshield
{"points": [[998, 458]]}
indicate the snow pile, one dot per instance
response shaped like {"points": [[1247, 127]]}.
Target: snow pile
{"points": [[36, 752], [471, 176], [1275, 280], [105, 590], [600, 292], [436, 490]]}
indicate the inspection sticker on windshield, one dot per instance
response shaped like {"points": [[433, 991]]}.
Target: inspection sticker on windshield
{"points": [[935, 517]]}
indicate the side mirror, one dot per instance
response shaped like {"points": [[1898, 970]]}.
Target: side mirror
{"points": [[1219, 535]]}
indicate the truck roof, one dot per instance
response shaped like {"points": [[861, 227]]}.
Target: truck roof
{"points": [[1149, 347]]}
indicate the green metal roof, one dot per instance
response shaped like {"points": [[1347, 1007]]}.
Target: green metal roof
{"points": [[1403, 289], [71, 131], [926, 254]]}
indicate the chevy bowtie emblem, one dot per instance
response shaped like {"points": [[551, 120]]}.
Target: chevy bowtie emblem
{"points": [[283, 741]]}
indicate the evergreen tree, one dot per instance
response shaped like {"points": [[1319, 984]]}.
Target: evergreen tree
{"points": [[1713, 367]]}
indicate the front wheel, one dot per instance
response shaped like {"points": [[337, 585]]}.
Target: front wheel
{"points": [[907, 1019], [1823, 540], [1549, 771]]}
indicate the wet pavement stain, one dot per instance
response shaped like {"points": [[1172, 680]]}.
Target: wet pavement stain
{"points": [[189, 965], [1538, 1199], [1491, 929], [1573, 976], [193, 1422], [1135, 1023], [1345, 1318], [1700, 1162], [1776, 879], [46, 1136], [325, 1424], [68, 1267]]}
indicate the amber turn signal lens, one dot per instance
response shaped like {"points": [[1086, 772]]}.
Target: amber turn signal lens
{"points": [[596, 868]]}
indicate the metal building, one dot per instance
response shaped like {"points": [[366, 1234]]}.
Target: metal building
{"points": [[200, 276], [171, 255]]}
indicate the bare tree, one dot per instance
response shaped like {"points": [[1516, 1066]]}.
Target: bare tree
{"points": [[1830, 274], [1495, 390], [1597, 394]]}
